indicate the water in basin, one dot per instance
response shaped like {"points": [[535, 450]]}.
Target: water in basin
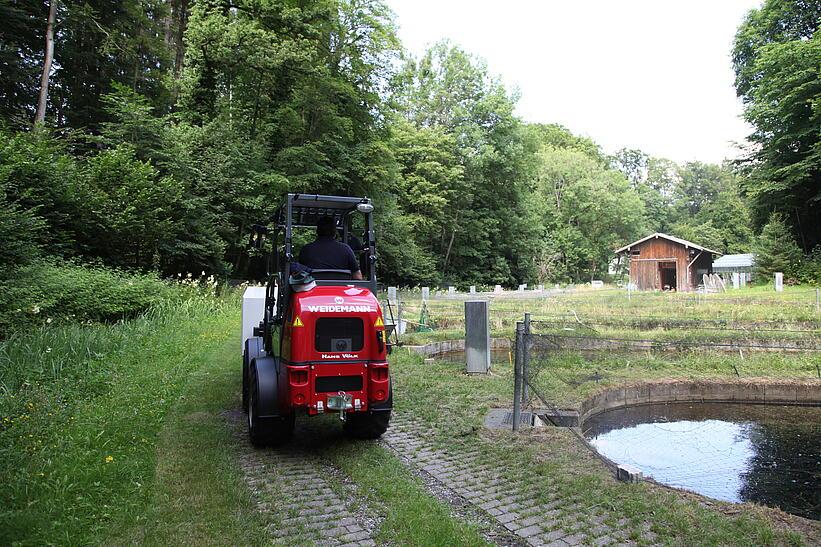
{"points": [[733, 452]]}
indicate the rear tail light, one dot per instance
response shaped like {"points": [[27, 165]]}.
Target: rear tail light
{"points": [[298, 385], [378, 382], [299, 377]]}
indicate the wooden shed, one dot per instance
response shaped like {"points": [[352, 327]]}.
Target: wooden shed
{"points": [[664, 262]]}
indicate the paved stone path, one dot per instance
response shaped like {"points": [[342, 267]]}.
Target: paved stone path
{"points": [[509, 497], [306, 499]]}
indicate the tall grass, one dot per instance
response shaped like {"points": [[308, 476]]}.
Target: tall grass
{"points": [[80, 407]]}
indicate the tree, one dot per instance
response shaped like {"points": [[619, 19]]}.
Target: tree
{"points": [[776, 250], [453, 93], [21, 59], [589, 210], [634, 164], [699, 185], [37, 174], [48, 57], [775, 57], [103, 42]]}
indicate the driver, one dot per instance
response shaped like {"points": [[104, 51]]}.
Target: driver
{"points": [[326, 253]]}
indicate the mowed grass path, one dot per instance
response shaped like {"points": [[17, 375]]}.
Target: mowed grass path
{"points": [[127, 442]]}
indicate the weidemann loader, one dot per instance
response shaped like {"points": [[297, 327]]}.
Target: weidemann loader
{"points": [[317, 347]]}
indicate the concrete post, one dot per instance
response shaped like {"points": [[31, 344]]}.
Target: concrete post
{"points": [[497, 289], [779, 282], [736, 280], [517, 376], [425, 294], [473, 289], [477, 336], [392, 295], [451, 290]]}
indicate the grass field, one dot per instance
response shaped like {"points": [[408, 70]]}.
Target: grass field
{"points": [[114, 434]]}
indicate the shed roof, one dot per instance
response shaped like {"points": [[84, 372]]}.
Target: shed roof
{"points": [[669, 238], [735, 261]]}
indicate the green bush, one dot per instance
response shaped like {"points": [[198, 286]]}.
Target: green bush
{"points": [[46, 291], [810, 269]]}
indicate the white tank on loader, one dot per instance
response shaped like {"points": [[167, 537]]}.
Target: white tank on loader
{"points": [[253, 311]]}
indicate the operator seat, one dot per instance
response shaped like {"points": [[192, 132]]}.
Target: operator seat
{"points": [[338, 275]]}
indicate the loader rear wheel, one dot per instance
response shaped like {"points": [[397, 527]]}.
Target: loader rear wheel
{"points": [[367, 425], [266, 431], [245, 386]]}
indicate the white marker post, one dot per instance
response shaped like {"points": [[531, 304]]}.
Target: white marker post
{"points": [[779, 282]]}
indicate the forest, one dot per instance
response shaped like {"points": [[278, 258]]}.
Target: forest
{"points": [[145, 137]]}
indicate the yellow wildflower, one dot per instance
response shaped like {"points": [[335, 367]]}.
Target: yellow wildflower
{"points": [[109, 459]]}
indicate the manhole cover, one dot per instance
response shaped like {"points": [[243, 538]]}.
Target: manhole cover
{"points": [[527, 418]]}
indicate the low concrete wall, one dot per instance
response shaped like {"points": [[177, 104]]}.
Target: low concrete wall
{"points": [[584, 343], [750, 390], [446, 346]]}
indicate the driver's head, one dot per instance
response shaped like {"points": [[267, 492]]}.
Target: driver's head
{"points": [[326, 227]]}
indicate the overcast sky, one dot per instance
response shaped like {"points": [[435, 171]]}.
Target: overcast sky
{"points": [[648, 74]]}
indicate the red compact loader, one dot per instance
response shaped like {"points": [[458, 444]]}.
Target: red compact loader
{"points": [[316, 348]]}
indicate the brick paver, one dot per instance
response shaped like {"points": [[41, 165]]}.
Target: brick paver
{"points": [[507, 497], [304, 497]]}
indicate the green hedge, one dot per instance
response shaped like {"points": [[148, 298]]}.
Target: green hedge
{"points": [[49, 291]]}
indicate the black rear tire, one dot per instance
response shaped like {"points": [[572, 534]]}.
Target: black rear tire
{"points": [[245, 383], [266, 431], [250, 351], [367, 425]]}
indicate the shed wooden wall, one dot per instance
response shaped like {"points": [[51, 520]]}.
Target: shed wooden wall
{"points": [[644, 268]]}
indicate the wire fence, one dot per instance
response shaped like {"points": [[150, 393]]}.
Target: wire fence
{"points": [[788, 312], [553, 357]]}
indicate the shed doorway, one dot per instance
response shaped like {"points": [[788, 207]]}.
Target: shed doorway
{"points": [[667, 275]]}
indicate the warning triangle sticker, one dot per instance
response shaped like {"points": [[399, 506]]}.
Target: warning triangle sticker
{"points": [[297, 322], [379, 322]]}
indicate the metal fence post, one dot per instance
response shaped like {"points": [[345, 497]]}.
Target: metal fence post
{"points": [[517, 376], [526, 361], [817, 300]]}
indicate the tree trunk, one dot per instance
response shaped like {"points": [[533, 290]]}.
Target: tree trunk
{"points": [[40, 117], [181, 16], [450, 245]]}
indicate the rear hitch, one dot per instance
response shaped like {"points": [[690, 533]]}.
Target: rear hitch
{"points": [[341, 402]]}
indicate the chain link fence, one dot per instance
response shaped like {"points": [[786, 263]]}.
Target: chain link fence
{"points": [[561, 359]]}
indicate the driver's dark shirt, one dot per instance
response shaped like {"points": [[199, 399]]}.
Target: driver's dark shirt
{"points": [[326, 253]]}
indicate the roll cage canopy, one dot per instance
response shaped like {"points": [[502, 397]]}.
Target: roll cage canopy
{"points": [[304, 211], [307, 209]]}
